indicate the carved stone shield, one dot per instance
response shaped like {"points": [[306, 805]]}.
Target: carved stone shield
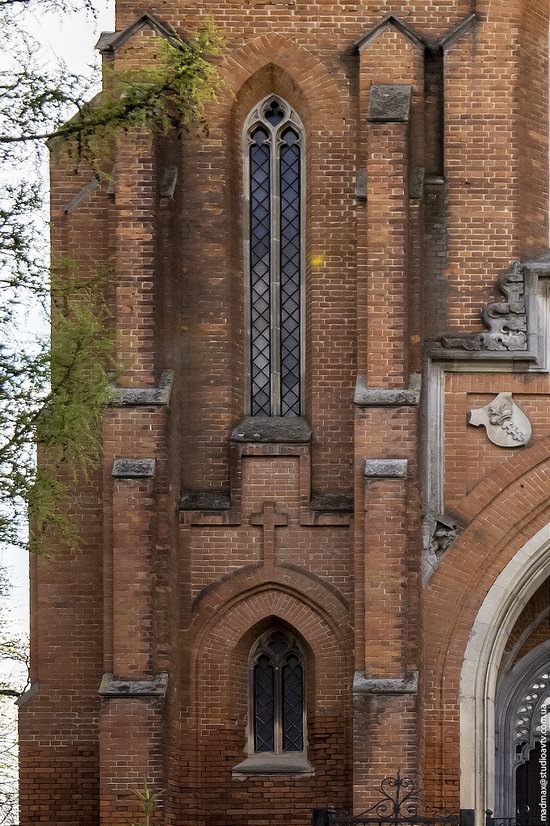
{"points": [[505, 422]]}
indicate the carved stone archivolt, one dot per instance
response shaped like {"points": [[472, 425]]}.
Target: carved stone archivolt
{"points": [[506, 320], [505, 422]]}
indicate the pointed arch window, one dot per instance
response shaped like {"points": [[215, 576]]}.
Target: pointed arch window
{"points": [[277, 708], [274, 255]]}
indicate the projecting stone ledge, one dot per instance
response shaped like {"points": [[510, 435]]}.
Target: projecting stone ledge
{"points": [[272, 429], [385, 468], [205, 500], [112, 686], [388, 397], [383, 685], [144, 396], [134, 468], [332, 502]]}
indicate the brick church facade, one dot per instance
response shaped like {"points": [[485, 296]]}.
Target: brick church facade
{"points": [[317, 550]]}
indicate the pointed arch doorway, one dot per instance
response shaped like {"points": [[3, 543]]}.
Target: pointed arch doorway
{"points": [[479, 681]]}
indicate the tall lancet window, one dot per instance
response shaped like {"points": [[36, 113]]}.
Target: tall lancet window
{"points": [[274, 252]]}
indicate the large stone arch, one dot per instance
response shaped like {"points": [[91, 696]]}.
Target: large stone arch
{"points": [[506, 513]]}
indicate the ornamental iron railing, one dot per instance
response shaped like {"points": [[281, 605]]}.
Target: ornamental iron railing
{"points": [[401, 802]]}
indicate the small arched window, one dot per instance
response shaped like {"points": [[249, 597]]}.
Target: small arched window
{"points": [[274, 255], [277, 707]]}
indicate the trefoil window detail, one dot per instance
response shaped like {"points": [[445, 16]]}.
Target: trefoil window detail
{"points": [[277, 708], [274, 252]]}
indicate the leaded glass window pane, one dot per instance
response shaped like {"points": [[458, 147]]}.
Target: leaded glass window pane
{"points": [[290, 273], [264, 705], [274, 137], [293, 704], [260, 271]]}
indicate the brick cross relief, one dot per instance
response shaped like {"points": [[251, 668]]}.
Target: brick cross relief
{"points": [[269, 519]]}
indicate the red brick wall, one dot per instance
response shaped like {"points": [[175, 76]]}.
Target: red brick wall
{"points": [[153, 589]]}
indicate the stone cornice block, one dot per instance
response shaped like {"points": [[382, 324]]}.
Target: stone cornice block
{"points": [[385, 685], [112, 686], [385, 468], [389, 103], [144, 396], [134, 468]]}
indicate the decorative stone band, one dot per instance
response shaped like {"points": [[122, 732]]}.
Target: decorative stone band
{"points": [[506, 320], [512, 325], [385, 468], [144, 396], [112, 686], [385, 685], [388, 397], [134, 468]]}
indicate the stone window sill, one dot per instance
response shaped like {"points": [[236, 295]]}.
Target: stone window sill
{"points": [[267, 763], [272, 429]]}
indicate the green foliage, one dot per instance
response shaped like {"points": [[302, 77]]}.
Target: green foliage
{"points": [[54, 400], [52, 394], [170, 93], [148, 804]]}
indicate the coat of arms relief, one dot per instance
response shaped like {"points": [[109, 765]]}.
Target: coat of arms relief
{"points": [[505, 422]]}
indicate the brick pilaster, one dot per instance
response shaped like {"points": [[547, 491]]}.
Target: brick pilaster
{"points": [[135, 181]]}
